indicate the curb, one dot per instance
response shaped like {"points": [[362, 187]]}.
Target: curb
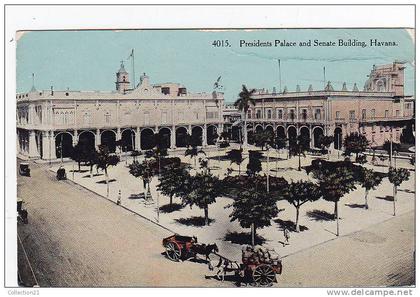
{"points": [[111, 201]]}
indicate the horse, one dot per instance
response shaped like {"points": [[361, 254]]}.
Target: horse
{"points": [[204, 249], [223, 266]]}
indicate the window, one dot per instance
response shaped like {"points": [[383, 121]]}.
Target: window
{"points": [[363, 114], [363, 130], [108, 118], [249, 114], [317, 114], [304, 114], [164, 117], [372, 113], [258, 115], [196, 115], [279, 113], [165, 90], [337, 114], [386, 113], [397, 113], [86, 118], [292, 114], [381, 129], [352, 115], [407, 106], [269, 114], [180, 116], [374, 128]]}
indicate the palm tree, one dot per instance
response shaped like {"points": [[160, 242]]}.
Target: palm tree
{"points": [[243, 103], [193, 153]]}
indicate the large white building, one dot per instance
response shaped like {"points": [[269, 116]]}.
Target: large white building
{"points": [[50, 122]]}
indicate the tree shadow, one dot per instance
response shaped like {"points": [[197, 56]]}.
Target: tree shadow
{"points": [[355, 205], [194, 221], [93, 175], [407, 191], [386, 198], [243, 238], [320, 215], [104, 181], [136, 196], [168, 208], [77, 171], [289, 225]]}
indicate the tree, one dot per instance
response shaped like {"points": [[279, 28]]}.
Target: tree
{"points": [[355, 143], [254, 164], [299, 147], [80, 154], [173, 181], [254, 210], [143, 170], [243, 103], [391, 149], [396, 177], [334, 184], [193, 153], [92, 160], [104, 160], [263, 137], [135, 154], [299, 193], [235, 156], [325, 142], [369, 180], [204, 188]]}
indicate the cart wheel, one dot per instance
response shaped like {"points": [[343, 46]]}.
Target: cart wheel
{"points": [[173, 251], [264, 275]]}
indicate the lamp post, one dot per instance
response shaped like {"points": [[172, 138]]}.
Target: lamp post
{"points": [[268, 168]]}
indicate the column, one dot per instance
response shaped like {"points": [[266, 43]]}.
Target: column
{"points": [[45, 145], [98, 138], [311, 136], [205, 135], [51, 145], [75, 137], [17, 142], [118, 136], [173, 137], [137, 139], [33, 149]]}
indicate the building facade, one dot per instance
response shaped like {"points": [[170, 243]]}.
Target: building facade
{"points": [[50, 122], [380, 111]]}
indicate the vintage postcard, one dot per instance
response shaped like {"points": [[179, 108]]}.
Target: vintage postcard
{"points": [[216, 158]]}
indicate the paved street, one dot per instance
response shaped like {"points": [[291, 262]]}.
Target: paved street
{"points": [[77, 238]]}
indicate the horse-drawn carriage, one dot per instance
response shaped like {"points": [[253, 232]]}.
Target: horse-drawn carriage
{"points": [[22, 214], [24, 169], [178, 247], [259, 266]]}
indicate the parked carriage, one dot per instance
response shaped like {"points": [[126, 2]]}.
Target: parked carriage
{"points": [[22, 214], [24, 169], [178, 247]]}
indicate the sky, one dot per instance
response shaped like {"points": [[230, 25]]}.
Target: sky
{"points": [[88, 60]]}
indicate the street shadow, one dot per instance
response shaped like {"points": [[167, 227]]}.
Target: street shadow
{"points": [[289, 225], [320, 215], [243, 238], [355, 205], [104, 181], [386, 198], [231, 278], [194, 221], [168, 208]]}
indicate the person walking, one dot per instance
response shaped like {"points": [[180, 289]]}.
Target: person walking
{"points": [[286, 234]]}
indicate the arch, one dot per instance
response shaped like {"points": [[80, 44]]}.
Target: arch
{"points": [[128, 140], [211, 135], [259, 128], [181, 137], [236, 133], [197, 136], [165, 137], [338, 138], [305, 134], [108, 138], [87, 138], [281, 132], [115, 133], [317, 133], [292, 134], [147, 139], [63, 144], [269, 128]]}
